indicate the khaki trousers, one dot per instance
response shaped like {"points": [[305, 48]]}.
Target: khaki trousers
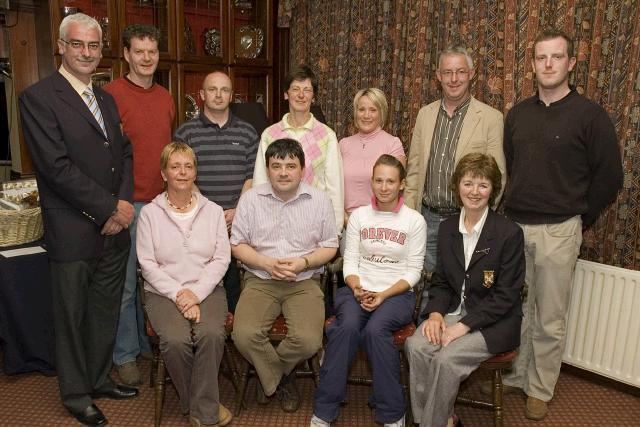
{"points": [[551, 252], [261, 302], [192, 351]]}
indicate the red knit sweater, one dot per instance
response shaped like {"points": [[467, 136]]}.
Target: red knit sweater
{"points": [[147, 119]]}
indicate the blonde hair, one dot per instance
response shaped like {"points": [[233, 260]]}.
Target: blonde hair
{"points": [[176, 147], [379, 100]]}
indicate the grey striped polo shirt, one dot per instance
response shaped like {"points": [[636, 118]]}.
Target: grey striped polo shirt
{"points": [[226, 156]]}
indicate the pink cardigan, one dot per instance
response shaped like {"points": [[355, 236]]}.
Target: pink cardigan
{"points": [[173, 258]]}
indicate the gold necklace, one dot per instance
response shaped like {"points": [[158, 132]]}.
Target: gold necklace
{"points": [[179, 208]]}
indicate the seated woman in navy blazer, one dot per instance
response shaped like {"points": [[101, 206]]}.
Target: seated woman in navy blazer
{"points": [[475, 307]]}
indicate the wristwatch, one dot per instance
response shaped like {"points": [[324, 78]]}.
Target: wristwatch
{"points": [[306, 263]]}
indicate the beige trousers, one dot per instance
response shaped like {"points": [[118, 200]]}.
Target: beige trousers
{"points": [[261, 301], [551, 252]]}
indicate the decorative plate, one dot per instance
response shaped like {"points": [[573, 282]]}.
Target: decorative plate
{"points": [[212, 42], [249, 40]]}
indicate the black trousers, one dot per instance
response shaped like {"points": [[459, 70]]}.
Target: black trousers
{"points": [[86, 303]]}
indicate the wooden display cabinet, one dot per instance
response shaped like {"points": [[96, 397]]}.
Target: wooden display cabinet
{"points": [[251, 33], [159, 13], [253, 85], [104, 11], [202, 31]]}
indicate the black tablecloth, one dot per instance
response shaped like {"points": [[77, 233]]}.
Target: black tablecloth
{"points": [[26, 319]]}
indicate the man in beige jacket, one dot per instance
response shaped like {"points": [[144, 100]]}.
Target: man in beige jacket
{"points": [[445, 131]]}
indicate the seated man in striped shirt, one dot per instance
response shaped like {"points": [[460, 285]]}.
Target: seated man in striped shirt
{"points": [[283, 232]]}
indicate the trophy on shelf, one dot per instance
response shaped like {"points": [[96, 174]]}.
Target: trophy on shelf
{"points": [[189, 45], [249, 40], [191, 109], [212, 42], [260, 98], [69, 10], [104, 24]]}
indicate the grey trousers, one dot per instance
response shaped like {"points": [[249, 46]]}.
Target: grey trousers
{"points": [[192, 351], [261, 302], [435, 373]]}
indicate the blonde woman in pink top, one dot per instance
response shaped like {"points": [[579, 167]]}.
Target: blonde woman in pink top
{"points": [[183, 250], [360, 151]]}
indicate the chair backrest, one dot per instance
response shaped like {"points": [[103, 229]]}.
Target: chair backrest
{"points": [[253, 113]]}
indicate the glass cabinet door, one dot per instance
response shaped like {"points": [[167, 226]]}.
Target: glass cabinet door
{"points": [[202, 31], [102, 10], [159, 13], [252, 85], [251, 33]]}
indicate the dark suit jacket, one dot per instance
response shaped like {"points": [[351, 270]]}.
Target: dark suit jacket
{"points": [[493, 304], [80, 173]]}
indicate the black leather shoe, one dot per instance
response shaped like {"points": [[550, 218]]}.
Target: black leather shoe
{"points": [[91, 416], [117, 392]]}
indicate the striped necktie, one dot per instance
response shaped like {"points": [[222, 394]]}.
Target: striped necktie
{"points": [[90, 100]]}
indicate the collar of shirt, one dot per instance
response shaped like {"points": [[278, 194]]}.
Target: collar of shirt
{"points": [[572, 91], [126, 77], [374, 204], [267, 190], [206, 122], [286, 125], [476, 228], [464, 104], [75, 83]]}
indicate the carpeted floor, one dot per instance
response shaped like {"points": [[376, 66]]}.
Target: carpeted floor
{"points": [[32, 400]]}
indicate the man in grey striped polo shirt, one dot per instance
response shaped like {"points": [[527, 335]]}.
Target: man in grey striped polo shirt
{"points": [[225, 147]]}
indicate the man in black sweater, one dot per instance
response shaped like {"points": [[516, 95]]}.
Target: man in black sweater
{"points": [[564, 168]]}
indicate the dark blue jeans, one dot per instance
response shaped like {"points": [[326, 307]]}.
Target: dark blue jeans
{"points": [[374, 330]]}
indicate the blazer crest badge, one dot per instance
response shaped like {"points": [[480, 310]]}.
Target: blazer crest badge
{"points": [[488, 279]]}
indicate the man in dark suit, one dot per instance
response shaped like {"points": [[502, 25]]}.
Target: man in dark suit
{"points": [[83, 167]]}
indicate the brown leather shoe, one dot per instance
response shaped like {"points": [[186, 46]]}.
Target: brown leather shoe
{"points": [[288, 396], [487, 389], [536, 409], [129, 373], [261, 398]]}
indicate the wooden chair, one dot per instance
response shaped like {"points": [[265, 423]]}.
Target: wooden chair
{"points": [[495, 365], [277, 333], [158, 377], [399, 336]]}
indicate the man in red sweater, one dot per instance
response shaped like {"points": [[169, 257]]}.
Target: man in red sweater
{"points": [[147, 112]]}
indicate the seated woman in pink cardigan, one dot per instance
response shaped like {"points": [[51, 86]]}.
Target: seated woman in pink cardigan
{"points": [[183, 250], [360, 151]]}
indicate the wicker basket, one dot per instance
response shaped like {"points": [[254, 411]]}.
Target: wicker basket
{"points": [[19, 227]]}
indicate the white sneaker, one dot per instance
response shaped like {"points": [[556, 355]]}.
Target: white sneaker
{"points": [[399, 423], [317, 422]]}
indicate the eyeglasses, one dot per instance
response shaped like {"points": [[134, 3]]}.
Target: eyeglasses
{"points": [[78, 45], [450, 73], [297, 89]]}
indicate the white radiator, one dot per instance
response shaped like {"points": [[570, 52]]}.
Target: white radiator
{"points": [[603, 328]]}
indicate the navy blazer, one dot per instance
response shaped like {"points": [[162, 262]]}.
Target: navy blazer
{"points": [[493, 281], [81, 173]]}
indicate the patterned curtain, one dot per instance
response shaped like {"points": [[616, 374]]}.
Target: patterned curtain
{"points": [[393, 45]]}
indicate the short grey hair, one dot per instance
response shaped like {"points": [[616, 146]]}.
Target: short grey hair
{"points": [[456, 50], [79, 18]]}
